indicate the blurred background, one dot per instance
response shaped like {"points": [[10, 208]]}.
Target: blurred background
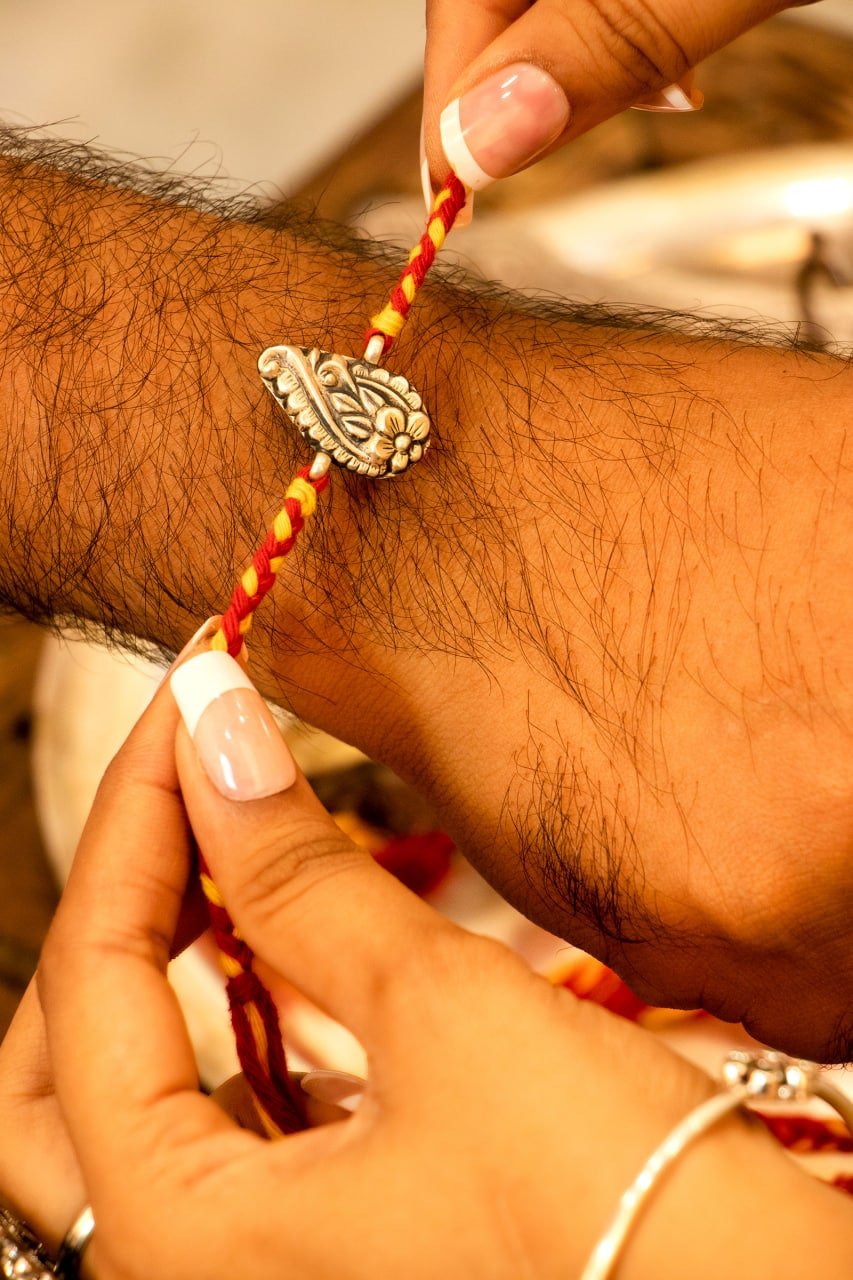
{"points": [[744, 210]]}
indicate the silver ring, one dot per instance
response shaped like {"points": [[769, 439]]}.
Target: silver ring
{"points": [[73, 1246]]}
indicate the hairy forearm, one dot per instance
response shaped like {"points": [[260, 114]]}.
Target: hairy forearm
{"points": [[142, 456], [604, 624]]}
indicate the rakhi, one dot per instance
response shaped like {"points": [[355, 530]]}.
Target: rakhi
{"points": [[358, 414]]}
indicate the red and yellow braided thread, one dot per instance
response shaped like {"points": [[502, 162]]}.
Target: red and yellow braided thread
{"points": [[253, 1013], [390, 320], [254, 1019], [300, 503]]}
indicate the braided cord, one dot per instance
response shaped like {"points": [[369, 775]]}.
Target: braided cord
{"points": [[300, 503], [254, 1019], [254, 1016], [389, 322]]}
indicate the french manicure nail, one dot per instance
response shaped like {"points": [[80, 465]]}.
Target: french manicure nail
{"points": [[672, 98], [206, 631], [336, 1087], [426, 184], [465, 214], [238, 742], [502, 123]]}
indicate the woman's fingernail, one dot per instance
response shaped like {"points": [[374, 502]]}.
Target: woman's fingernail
{"points": [[206, 632], [465, 214], [426, 184], [238, 742], [502, 123], [672, 98], [336, 1087]]}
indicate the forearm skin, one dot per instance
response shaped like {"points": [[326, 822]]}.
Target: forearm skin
{"points": [[604, 626]]}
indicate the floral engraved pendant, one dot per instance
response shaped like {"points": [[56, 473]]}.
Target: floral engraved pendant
{"points": [[367, 419]]}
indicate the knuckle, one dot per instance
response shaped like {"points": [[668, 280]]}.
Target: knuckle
{"points": [[286, 865], [116, 940], [637, 38], [123, 770], [482, 959], [76, 947]]}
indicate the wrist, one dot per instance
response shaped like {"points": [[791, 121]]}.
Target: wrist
{"points": [[147, 458], [737, 1204]]}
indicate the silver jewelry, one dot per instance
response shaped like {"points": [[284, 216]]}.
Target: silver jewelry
{"points": [[773, 1077], [22, 1254], [350, 409], [747, 1077], [71, 1251]]}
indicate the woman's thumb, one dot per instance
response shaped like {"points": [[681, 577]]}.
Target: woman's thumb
{"points": [[566, 65], [320, 911]]}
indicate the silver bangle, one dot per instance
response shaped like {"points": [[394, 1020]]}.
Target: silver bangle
{"points": [[747, 1077]]}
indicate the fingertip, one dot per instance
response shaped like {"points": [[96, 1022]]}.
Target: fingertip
{"points": [[235, 736], [430, 190], [423, 166], [503, 122], [675, 98], [334, 1089]]}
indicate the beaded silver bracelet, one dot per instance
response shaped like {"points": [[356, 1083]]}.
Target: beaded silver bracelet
{"points": [[22, 1255]]}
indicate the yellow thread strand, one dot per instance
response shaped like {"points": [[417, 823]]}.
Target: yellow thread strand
{"points": [[272, 1129], [436, 233], [389, 322], [281, 526], [409, 289], [230, 967], [219, 641], [210, 890], [249, 581], [244, 626], [259, 1034], [303, 493], [275, 563]]}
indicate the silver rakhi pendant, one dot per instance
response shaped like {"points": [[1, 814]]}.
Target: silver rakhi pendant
{"points": [[352, 410]]}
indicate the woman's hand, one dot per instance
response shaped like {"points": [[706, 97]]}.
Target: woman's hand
{"points": [[508, 80], [501, 1119], [40, 1177]]}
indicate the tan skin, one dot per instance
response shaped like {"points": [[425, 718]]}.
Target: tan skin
{"points": [[615, 658], [422, 1171], [624, 650], [606, 54]]}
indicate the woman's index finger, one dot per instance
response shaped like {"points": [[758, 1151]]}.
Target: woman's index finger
{"points": [[124, 1066]]}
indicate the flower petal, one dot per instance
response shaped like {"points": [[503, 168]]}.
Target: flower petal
{"points": [[418, 426], [390, 421]]}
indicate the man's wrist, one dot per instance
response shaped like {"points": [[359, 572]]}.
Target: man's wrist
{"points": [[145, 458]]}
